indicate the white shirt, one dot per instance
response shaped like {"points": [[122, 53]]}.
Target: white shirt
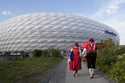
{"points": [[84, 52]]}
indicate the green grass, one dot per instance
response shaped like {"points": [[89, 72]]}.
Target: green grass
{"points": [[11, 71]]}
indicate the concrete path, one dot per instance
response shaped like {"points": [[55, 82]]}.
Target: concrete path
{"points": [[61, 74], [83, 77]]}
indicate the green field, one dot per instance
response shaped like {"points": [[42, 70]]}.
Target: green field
{"points": [[11, 71]]}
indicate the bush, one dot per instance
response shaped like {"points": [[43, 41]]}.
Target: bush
{"points": [[118, 71], [47, 53], [106, 58], [37, 53], [112, 62], [120, 50], [55, 52]]}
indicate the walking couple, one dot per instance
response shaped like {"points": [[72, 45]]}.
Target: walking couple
{"points": [[77, 53]]}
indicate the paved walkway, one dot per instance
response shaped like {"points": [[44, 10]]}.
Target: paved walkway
{"points": [[60, 74], [83, 77]]}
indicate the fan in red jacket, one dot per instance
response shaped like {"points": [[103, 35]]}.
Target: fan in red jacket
{"points": [[89, 48]]}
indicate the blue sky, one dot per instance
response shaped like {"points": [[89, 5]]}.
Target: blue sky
{"points": [[110, 12]]}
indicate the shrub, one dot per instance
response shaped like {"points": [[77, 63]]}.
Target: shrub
{"points": [[112, 62], [118, 71], [37, 53], [120, 50], [47, 53], [106, 58]]}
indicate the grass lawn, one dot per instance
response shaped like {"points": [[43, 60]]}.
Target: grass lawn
{"points": [[11, 71]]}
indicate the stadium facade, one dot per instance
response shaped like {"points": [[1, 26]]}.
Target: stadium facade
{"points": [[50, 30]]}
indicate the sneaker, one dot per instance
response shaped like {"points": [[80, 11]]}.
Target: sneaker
{"points": [[92, 76], [74, 75]]}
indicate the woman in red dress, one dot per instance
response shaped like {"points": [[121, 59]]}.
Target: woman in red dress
{"points": [[76, 62]]}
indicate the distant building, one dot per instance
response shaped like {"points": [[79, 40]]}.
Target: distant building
{"points": [[50, 30]]}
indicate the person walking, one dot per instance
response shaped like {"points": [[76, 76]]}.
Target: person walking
{"points": [[76, 59], [89, 52]]}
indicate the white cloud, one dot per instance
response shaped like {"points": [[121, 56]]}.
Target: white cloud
{"points": [[109, 9], [6, 13], [112, 9], [111, 15], [119, 26]]}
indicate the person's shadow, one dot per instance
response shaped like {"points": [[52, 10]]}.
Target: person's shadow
{"points": [[83, 74], [98, 74]]}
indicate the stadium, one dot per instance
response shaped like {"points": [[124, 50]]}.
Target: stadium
{"points": [[50, 30]]}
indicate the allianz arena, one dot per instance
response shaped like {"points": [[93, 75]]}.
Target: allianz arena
{"points": [[50, 30]]}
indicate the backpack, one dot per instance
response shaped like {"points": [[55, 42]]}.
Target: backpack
{"points": [[71, 55]]}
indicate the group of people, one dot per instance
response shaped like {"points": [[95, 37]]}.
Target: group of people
{"points": [[85, 52]]}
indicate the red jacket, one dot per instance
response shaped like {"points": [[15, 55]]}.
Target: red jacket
{"points": [[90, 47]]}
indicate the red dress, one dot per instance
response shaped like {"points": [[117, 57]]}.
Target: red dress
{"points": [[76, 63]]}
